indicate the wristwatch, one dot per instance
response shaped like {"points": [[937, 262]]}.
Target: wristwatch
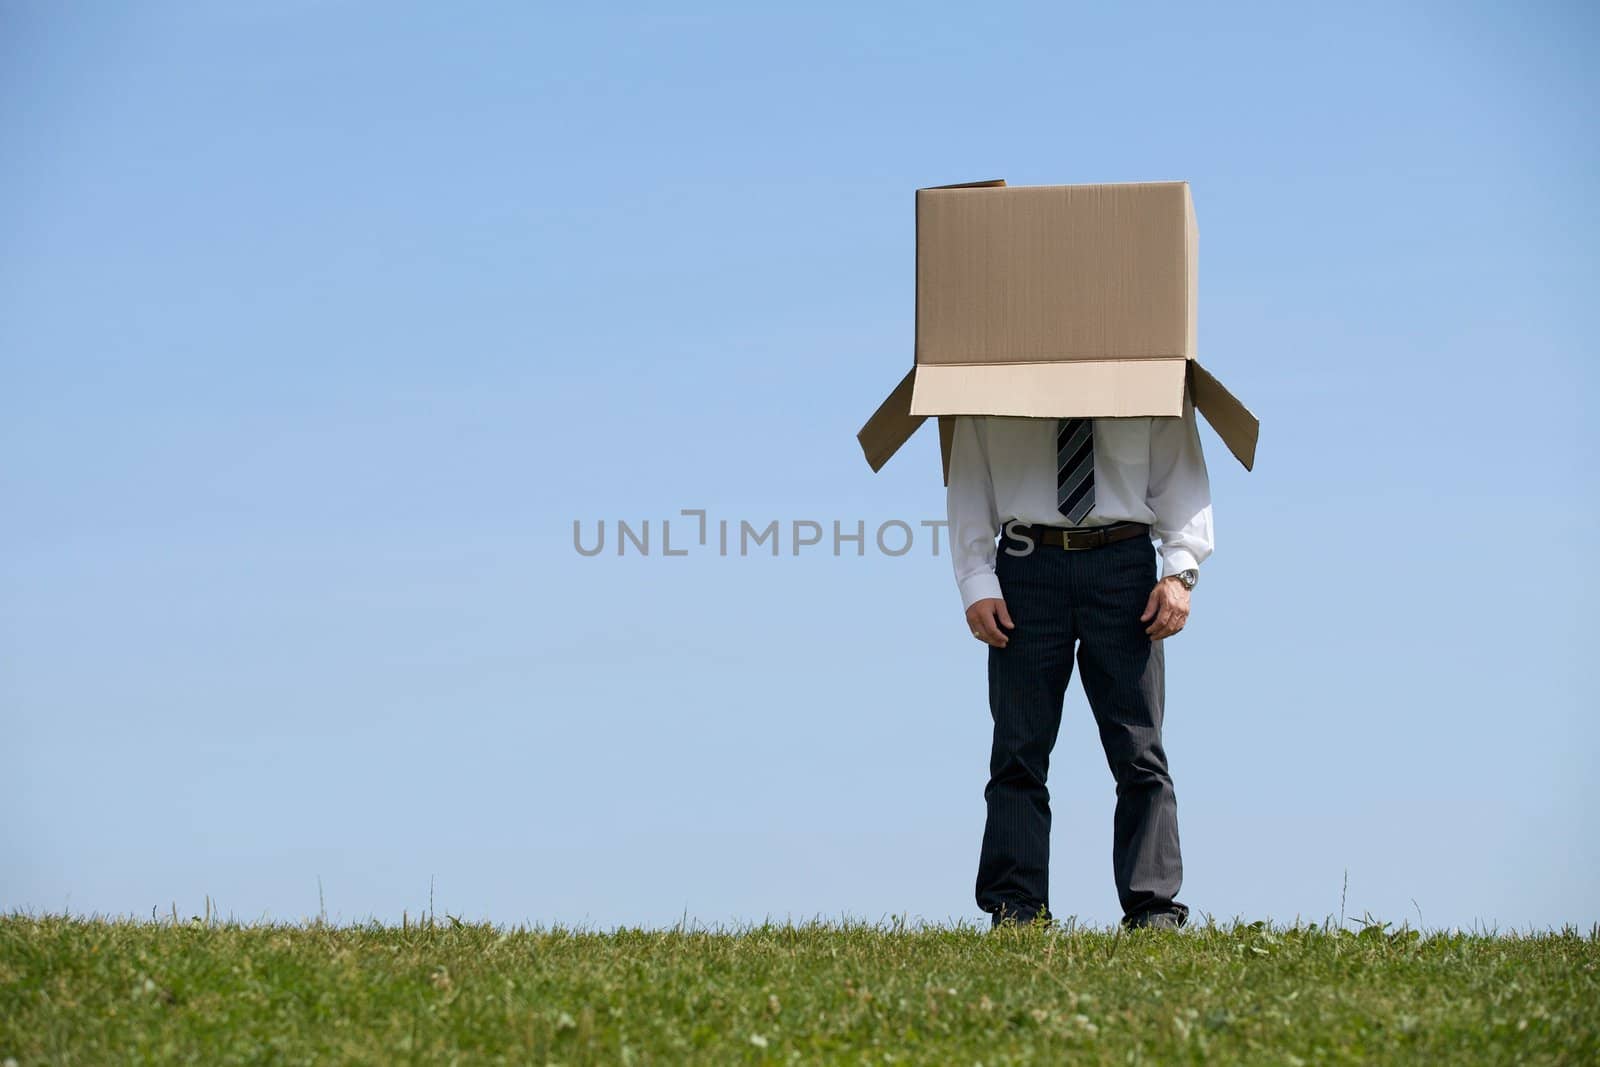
{"points": [[1189, 577]]}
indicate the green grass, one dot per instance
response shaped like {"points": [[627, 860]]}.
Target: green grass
{"points": [[94, 991]]}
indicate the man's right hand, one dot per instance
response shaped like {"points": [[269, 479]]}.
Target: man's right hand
{"points": [[985, 618]]}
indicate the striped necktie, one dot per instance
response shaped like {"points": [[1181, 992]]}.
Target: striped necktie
{"points": [[1075, 469]]}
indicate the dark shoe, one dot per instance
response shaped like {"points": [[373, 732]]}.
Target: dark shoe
{"points": [[1156, 920], [1008, 916]]}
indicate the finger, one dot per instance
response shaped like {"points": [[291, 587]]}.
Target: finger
{"points": [[975, 621], [1005, 616], [991, 631], [1163, 624], [1150, 605]]}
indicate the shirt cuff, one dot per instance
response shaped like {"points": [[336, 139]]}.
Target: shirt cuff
{"points": [[976, 587], [1174, 560]]}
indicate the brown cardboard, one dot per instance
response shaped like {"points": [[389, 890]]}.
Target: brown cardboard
{"points": [[1054, 301], [1052, 272], [1233, 422], [1098, 388], [891, 425]]}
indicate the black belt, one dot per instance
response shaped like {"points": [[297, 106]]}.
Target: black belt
{"points": [[1076, 538]]}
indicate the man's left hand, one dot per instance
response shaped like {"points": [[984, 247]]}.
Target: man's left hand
{"points": [[1168, 607]]}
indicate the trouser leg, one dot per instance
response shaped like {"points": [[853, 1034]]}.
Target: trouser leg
{"points": [[1027, 681], [1124, 676]]}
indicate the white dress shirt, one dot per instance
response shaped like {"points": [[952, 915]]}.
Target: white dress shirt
{"points": [[1148, 470]]}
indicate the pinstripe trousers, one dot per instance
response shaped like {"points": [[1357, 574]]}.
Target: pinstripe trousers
{"points": [[1089, 601]]}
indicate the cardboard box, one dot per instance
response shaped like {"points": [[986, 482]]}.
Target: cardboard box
{"points": [[1053, 301]]}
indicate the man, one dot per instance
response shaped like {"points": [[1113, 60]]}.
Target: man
{"points": [[1076, 503]]}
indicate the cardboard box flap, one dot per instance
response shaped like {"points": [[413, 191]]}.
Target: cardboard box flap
{"points": [[947, 440], [891, 425], [1233, 422], [987, 183], [1089, 388]]}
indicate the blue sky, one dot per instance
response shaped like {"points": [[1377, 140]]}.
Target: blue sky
{"points": [[320, 324]]}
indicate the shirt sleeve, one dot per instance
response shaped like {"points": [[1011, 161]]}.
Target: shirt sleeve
{"points": [[974, 522], [1180, 492]]}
